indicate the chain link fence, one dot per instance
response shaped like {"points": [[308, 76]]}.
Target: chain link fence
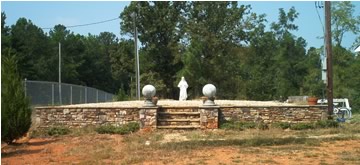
{"points": [[47, 93]]}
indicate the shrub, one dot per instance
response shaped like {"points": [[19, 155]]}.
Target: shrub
{"points": [[326, 124], [230, 126], [133, 126], [58, 130], [262, 126], [247, 125], [239, 125], [104, 129], [121, 95], [281, 125], [125, 129], [302, 126], [15, 110]]}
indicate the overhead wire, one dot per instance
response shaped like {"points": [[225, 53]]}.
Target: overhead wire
{"points": [[317, 5], [88, 24]]}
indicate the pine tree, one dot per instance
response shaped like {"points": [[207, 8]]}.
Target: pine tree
{"points": [[15, 110]]}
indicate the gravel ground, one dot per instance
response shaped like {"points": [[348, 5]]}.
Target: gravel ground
{"points": [[183, 103]]}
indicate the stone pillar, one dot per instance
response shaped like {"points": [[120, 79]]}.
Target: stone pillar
{"points": [[209, 117], [148, 117]]}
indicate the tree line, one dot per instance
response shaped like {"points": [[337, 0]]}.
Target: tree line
{"points": [[223, 43]]}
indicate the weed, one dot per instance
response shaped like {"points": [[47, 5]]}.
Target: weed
{"points": [[281, 125], [302, 126], [236, 161], [262, 126], [58, 130], [311, 155], [355, 119], [240, 125], [323, 162], [268, 161], [349, 156], [326, 124], [231, 126], [83, 131], [38, 133]]}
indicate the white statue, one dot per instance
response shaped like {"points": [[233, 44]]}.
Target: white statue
{"points": [[183, 86]]}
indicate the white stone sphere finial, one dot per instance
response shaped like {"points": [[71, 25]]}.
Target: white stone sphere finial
{"points": [[209, 90], [149, 91]]}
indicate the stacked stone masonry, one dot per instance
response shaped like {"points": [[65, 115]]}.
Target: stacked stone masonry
{"points": [[290, 114], [204, 117], [79, 117]]}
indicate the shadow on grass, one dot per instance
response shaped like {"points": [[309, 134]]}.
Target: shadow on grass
{"points": [[19, 152], [39, 143], [20, 148]]}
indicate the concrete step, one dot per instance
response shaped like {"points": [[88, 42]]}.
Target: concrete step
{"points": [[178, 109], [178, 127], [179, 113], [178, 120]]}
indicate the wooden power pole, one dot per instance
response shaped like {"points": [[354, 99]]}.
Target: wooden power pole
{"points": [[329, 57]]}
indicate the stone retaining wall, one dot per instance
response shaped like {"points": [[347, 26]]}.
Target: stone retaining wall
{"points": [[290, 114], [210, 117], [78, 117]]}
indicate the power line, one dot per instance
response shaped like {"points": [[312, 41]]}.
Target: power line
{"points": [[318, 5], [88, 24]]}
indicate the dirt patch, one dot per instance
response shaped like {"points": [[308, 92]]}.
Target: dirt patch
{"points": [[61, 150], [174, 137], [339, 152], [115, 149]]}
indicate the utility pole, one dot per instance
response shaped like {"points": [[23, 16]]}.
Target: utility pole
{"points": [[60, 100], [137, 67], [329, 57]]}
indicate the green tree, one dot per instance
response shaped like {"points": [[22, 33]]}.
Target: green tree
{"points": [[342, 74], [354, 84], [72, 54], [15, 110], [123, 66], [290, 56], [313, 85], [31, 45], [215, 34], [95, 71], [5, 35], [343, 20], [158, 25], [260, 85]]}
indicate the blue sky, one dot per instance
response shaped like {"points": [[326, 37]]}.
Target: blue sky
{"points": [[47, 14]]}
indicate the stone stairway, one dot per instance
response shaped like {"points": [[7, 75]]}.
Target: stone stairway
{"points": [[178, 118]]}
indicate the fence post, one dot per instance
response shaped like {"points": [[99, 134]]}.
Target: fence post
{"points": [[52, 93], [25, 87], [70, 94], [97, 95], [85, 94], [80, 97]]}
